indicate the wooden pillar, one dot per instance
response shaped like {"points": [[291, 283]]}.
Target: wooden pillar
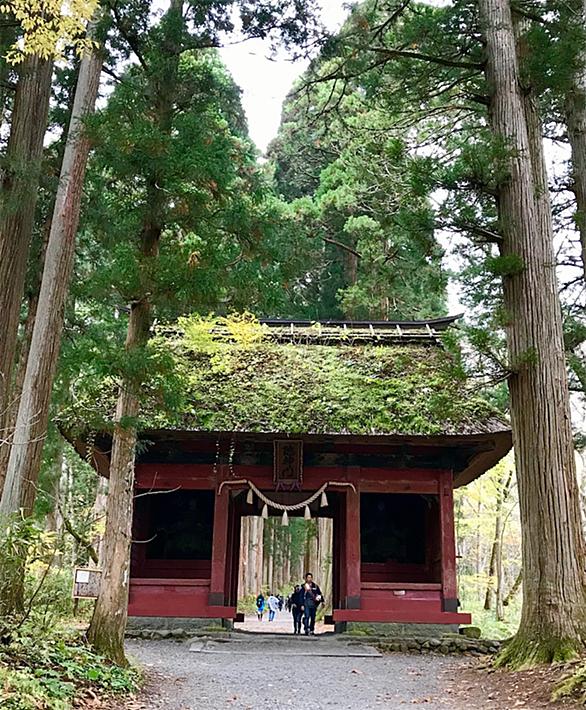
{"points": [[448, 543], [352, 535], [233, 557], [220, 552]]}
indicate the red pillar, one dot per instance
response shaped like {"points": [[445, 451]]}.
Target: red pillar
{"points": [[352, 534], [217, 595], [448, 542]]}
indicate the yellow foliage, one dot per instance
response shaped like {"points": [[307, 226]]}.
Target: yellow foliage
{"points": [[243, 328], [203, 334], [48, 26]]}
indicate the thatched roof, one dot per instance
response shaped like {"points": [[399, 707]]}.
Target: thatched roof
{"points": [[336, 380], [304, 379], [325, 389]]}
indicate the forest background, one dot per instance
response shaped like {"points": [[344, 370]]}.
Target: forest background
{"points": [[375, 197]]}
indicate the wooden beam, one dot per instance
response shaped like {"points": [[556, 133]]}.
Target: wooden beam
{"points": [[217, 593], [403, 617], [352, 532], [448, 544]]}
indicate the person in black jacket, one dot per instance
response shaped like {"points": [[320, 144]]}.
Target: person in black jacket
{"points": [[296, 607], [312, 598]]}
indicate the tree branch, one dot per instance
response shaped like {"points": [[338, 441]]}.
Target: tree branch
{"points": [[329, 240], [408, 54]]}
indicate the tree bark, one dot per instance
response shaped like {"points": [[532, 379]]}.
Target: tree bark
{"points": [[33, 410], [554, 601], [108, 624], [18, 199]]}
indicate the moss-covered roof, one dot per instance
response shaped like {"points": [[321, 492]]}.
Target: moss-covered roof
{"points": [[249, 380], [323, 389]]}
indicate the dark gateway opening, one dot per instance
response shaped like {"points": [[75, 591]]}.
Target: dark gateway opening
{"points": [[399, 537], [178, 530]]}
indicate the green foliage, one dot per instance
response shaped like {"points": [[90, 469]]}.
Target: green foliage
{"points": [[572, 686], [51, 672], [361, 200], [505, 265]]}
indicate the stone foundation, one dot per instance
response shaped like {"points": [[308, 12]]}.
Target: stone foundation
{"points": [[173, 627], [445, 645], [361, 628]]}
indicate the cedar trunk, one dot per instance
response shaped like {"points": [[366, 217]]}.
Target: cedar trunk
{"points": [[554, 601], [108, 624], [18, 199], [33, 409]]}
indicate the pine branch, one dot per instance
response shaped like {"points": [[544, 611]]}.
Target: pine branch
{"points": [[329, 240], [408, 54]]}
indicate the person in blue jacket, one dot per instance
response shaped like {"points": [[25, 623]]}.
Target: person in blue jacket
{"points": [[312, 598], [260, 606]]}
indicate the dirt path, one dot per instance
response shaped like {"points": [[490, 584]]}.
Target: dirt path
{"points": [[277, 673]]}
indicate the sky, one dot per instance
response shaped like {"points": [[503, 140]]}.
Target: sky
{"points": [[266, 81]]}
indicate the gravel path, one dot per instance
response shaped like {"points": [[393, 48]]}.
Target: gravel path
{"points": [[282, 624], [180, 679]]}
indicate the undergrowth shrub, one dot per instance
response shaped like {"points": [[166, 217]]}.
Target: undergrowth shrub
{"points": [[47, 673], [44, 662]]}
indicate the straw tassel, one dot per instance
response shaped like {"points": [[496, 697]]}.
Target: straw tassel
{"points": [[265, 512], [324, 500], [285, 519], [307, 514], [249, 497]]}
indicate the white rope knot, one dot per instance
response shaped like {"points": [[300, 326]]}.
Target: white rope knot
{"points": [[268, 503]]}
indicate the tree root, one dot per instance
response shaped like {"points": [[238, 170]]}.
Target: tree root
{"points": [[573, 685], [521, 653]]}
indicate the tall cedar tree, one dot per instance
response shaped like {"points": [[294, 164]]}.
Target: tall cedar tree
{"points": [[575, 116], [33, 409], [554, 602], [357, 199], [471, 56], [184, 27], [18, 199]]}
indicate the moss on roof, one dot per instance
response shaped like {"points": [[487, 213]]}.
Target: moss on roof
{"points": [[258, 385], [325, 389]]}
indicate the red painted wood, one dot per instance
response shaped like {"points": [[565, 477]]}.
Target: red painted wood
{"points": [[233, 557], [385, 586], [220, 545], [166, 475], [201, 476], [404, 617], [420, 600], [352, 532], [338, 570], [184, 569], [170, 582], [448, 538], [392, 571], [403, 485]]}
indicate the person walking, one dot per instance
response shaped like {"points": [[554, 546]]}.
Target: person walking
{"points": [[312, 598], [296, 607], [260, 606], [273, 605]]}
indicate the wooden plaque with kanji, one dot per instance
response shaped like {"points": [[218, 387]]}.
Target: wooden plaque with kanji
{"points": [[288, 465]]}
